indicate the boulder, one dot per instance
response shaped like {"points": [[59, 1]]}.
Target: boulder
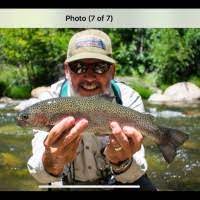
{"points": [[26, 103], [156, 97], [35, 93], [183, 91], [36, 97], [6, 100], [179, 92]]}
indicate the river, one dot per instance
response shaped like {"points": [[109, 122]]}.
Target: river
{"points": [[182, 174]]}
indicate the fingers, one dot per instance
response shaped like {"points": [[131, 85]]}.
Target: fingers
{"points": [[128, 138], [111, 154], [70, 151], [113, 141], [75, 132], [120, 139], [58, 130], [135, 136]]}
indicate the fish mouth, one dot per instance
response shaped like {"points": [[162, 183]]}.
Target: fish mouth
{"points": [[21, 119], [90, 86], [21, 123]]}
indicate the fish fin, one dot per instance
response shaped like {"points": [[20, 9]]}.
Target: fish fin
{"points": [[108, 97], [105, 96], [149, 115], [170, 141], [168, 152]]}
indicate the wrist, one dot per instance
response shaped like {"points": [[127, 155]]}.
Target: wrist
{"points": [[121, 167]]}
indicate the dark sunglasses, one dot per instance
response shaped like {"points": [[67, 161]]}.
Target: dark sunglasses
{"points": [[98, 68]]}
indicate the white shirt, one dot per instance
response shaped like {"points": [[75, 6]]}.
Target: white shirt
{"points": [[89, 160]]}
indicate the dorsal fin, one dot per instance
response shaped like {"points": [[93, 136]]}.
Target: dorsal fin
{"points": [[106, 97], [150, 116]]}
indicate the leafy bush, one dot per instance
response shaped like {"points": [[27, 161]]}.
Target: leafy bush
{"points": [[142, 89], [19, 92], [39, 50], [144, 92], [130, 49], [14, 82], [192, 40], [195, 80], [170, 55]]}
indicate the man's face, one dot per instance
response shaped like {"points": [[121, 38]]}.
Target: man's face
{"points": [[89, 83]]}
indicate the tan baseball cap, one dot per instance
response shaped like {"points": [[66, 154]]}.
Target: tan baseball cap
{"points": [[91, 43]]}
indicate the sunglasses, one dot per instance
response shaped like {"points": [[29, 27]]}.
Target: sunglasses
{"points": [[98, 68]]}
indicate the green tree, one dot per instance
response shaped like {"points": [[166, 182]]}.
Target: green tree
{"points": [[170, 55], [192, 41], [130, 49], [38, 50]]}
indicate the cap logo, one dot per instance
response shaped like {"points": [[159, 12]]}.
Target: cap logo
{"points": [[90, 42]]}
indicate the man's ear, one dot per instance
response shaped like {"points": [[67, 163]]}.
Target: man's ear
{"points": [[66, 69], [113, 70]]}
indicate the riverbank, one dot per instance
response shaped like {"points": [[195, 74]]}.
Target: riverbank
{"points": [[182, 174]]}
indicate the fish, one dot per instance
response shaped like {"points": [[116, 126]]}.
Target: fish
{"points": [[99, 111]]}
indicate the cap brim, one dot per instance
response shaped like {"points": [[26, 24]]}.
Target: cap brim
{"points": [[90, 55]]}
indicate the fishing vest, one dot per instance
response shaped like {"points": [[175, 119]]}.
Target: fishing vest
{"points": [[114, 86]]}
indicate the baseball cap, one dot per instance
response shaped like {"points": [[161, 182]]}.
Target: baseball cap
{"points": [[90, 43]]}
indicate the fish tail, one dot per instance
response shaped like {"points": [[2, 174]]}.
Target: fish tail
{"points": [[171, 140]]}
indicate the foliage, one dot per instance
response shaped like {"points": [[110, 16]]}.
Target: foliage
{"points": [[10, 77], [141, 87], [170, 55], [144, 92], [192, 40], [130, 49], [39, 50], [19, 92], [195, 79], [35, 54]]}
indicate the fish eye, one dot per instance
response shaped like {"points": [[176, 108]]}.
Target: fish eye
{"points": [[24, 116]]}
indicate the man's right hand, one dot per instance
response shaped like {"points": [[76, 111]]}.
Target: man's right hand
{"points": [[61, 144]]}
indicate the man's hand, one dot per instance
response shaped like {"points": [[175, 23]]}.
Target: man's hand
{"points": [[61, 144], [124, 142]]}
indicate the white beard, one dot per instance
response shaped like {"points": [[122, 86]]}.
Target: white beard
{"points": [[72, 92]]}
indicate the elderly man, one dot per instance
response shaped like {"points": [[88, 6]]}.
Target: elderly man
{"points": [[68, 156]]}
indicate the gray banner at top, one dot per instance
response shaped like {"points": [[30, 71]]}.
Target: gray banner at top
{"points": [[99, 18]]}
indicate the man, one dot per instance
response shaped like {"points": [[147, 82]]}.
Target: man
{"points": [[68, 156]]}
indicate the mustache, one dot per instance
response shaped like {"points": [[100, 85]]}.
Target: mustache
{"points": [[96, 83]]}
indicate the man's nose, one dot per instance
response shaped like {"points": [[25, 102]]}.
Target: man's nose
{"points": [[90, 74]]}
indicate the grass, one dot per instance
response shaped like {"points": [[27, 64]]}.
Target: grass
{"points": [[195, 80], [144, 85], [14, 82]]}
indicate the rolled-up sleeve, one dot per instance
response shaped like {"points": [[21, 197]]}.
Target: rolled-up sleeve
{"points": [[35, 165]]}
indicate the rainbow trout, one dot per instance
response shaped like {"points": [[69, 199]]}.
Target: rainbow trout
{"points": [[99, 112]]}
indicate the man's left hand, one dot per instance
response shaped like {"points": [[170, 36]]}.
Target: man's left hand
{"points": [[124, 142]]}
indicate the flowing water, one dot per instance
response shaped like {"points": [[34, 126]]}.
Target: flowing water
{"points": [[182, 174]]}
